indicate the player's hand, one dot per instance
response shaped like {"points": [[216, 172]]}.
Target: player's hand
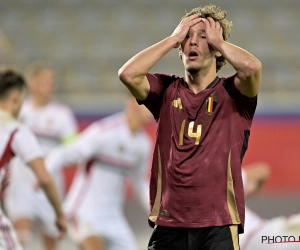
{"points": [[183, 27], [61, 225], [213, 31]]}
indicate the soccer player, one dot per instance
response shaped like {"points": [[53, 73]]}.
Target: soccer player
{"points": [[196, 191], [109, 150], [257, 229], [18, 140], [52, 123]]}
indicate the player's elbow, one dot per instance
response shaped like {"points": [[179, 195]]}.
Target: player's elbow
{"points": [[45, 181], [129, 77], [253, 68], [125, 75], [136, 83]]}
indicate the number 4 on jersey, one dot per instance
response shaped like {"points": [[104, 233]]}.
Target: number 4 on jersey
{"points": [[191, 133]]}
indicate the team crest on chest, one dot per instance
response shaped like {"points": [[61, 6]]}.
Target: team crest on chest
{"points": [[211, 103], [177, 103]]}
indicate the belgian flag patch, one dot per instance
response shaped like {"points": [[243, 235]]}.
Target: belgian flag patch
{"points": [[211, 103]]}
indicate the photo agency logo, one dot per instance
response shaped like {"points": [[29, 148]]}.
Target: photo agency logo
{"points": [[280, 239]]}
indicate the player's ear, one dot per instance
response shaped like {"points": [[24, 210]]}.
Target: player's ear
{"points": [[218, 54]]}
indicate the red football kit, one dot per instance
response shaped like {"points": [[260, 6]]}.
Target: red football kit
{"points": [[201, 140]]}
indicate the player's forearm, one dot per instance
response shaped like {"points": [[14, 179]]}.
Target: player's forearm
{"points": [[52, 194], [244, 62], [136, 68], [46, 182]]}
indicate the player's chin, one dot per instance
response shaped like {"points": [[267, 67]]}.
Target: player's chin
{"points": [[192, 69]]}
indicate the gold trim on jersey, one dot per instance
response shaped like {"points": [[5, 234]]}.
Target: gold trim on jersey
{"points": [[155, 209], [234, 236], [177, 103], [231, 195]]}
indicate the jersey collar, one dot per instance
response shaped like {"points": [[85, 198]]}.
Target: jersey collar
{"points": [[6, 114], [211, 85]]}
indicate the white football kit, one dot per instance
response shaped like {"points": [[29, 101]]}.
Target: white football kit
{"points": [[261, 233], [108, 153], [16, 140], [270, 234], [51, 124]]}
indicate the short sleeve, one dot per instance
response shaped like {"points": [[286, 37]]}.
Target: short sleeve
{"points": [[158, 85], [245, 105], [25, 145]]}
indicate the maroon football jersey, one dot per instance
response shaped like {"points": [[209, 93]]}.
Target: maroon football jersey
{"points": [[201, 140]]}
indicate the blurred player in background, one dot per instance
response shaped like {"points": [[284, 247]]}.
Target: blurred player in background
{"points": [[254, 176], [109, 150], [18, 140], [204, 122], [52, 123]]}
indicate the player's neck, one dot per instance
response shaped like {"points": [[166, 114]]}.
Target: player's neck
{"points": [[199, 81], [39, 101]]}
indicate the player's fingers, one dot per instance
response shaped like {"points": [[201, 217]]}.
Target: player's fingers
{"points": [[61, 235], [205, 21], [190, 18], [62, 231], [182, 20], [211, 22], [194, 16], [194, 21], [61, 226], [218, 26]]}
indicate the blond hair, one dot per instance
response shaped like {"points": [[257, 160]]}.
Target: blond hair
{"points": [[219, 16], [36, 67]]}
